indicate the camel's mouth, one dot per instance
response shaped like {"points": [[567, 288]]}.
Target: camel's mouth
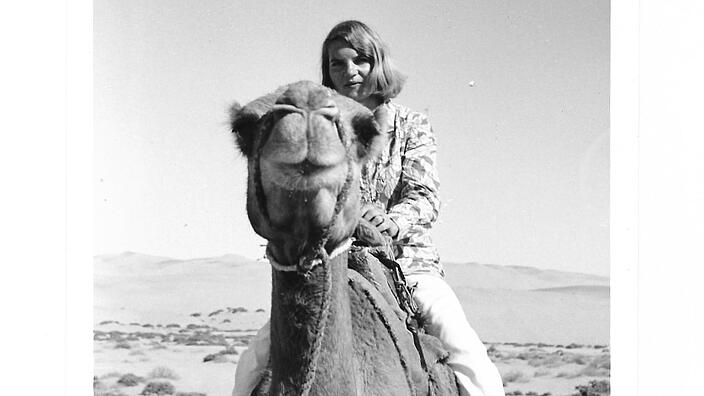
{"points": [[305, 176]]}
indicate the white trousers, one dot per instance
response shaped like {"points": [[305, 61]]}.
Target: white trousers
{"points": [[444, 319]]}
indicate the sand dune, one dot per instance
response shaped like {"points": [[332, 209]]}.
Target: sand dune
{"points": [[507, 304]]}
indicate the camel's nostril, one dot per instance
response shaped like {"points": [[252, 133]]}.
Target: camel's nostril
{"points": [[329, 110]]}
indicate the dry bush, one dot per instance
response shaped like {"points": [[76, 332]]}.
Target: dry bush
{"points": [[550, 360], [575, 358], [123, 345], [130, 379], [163, 372], [215, 358], [158, 388], [515, 376], [594, 388], [599, 366]]}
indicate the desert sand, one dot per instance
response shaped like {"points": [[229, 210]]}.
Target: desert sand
{"points": [[185, 323]]}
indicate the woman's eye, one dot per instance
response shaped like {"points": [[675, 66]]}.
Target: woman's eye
{"points": [[361, 60]]}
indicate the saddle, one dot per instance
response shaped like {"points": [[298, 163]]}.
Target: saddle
{"points": [[372, 257]]}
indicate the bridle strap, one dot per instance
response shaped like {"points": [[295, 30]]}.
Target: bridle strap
{"points": [[315, 253], [341, 248]]}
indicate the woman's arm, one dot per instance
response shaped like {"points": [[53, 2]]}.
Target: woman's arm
{"points": [[419, 202]]}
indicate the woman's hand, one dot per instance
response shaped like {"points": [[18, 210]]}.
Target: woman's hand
{"points": [[379, 219]]}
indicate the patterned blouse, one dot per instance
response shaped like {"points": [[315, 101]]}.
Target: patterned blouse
{"points": [[405, 184]]}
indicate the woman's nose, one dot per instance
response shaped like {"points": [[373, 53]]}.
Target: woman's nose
{"points": [[351, 69]]}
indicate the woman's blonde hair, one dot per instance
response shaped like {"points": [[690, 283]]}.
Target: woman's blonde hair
{"points": [[384, 80]]}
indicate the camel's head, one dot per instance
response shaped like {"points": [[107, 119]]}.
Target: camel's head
{"points": [[305, 145]]}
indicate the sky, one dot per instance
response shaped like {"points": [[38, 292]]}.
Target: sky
{"points": [[517, 93]]}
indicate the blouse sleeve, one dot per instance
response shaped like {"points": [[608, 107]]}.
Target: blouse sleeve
{"points": [[419, 203]]}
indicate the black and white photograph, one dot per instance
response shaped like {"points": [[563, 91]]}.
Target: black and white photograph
{"points": [[352, 198], [267, 174]]}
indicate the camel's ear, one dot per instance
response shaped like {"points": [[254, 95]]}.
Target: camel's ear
{"points": [[243, 121], [369, 135]]}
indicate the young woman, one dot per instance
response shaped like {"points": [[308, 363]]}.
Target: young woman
{"points": [[400, 198]]}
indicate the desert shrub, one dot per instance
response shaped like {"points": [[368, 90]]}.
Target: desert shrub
{"points": [[599, 366], [226, 321], [163, 372], [574, 346], [151, 326], [147, 335], [217, 312], [158, 388], [157, 345], [123, 345], [107, 322], [130, 379], [206, 338], [574, 358], [220, 356], [237, 310], [215, 358], [565, 374], [134, 324], [514, 376], [196, 314], [550, 360], [532, 393], [170, 325], [193, 326], [260, 310], [594, 388]]}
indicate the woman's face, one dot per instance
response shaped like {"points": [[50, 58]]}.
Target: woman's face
{"points": [[349, 71]]}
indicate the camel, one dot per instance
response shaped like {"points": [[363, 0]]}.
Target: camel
{"points": [[333, 332]]}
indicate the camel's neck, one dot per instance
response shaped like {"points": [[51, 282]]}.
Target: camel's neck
{"points": [[311, 340]]}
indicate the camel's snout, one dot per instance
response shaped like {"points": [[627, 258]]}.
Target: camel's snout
{"points": [[306, 129]]}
